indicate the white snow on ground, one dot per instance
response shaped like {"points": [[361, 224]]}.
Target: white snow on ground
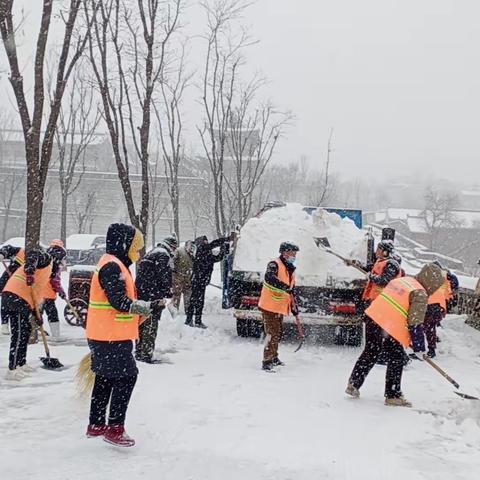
{"points": [[292, 223], [214, 415]]}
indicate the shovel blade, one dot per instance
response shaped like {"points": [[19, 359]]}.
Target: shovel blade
{"points": [[322, 241], [300, 345], [50, 363], [466, 396]]}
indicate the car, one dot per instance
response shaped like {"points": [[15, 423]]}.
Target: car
{"points": [[84, 249], [18, 242]]}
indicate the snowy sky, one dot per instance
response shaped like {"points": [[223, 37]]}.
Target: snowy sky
{"points": [[397, 79]]}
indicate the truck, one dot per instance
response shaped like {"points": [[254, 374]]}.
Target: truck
{"points": [[330, 303]]}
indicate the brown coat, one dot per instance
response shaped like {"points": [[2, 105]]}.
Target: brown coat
{"points": [[182, 269], [431, 278]]}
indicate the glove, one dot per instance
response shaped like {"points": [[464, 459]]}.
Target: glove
{"points": [[141, 307], [30, 280]]}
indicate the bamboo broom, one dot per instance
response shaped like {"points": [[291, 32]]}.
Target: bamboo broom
{"points": [[85, 378]]}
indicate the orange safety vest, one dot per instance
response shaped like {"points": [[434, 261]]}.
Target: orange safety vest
{"points": [[372, 290], [274, 299], [49, 293], [390, 308], [441, 295], [20, 257], [104, 323], [17, 284]]}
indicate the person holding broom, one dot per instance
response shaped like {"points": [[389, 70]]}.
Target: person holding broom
{"points": [[21, 300], [113, 318]]}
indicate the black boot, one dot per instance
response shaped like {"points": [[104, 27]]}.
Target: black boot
{"points": [[277, 362], [200, 324], [268, 365], [189, 322], [431, 353]]}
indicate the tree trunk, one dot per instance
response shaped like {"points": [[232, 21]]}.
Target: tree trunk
{"points": [[63, 218], [175, 209]]}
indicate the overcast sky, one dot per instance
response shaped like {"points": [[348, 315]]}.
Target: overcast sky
{"points": [[399, 80]]}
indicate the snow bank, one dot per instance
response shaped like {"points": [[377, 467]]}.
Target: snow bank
{"points": [[83, 241], [260, 238]]}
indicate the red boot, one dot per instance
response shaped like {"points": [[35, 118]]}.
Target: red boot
{"points": [[115, 434], [96, 431]]}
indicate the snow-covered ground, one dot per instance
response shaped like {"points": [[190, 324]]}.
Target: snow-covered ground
{"points": [[213, 414]]}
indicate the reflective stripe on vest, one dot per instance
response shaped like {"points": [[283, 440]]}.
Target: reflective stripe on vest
{"points": [[17, 284], [105, 323], [276, 300], [390, 309], [20, 257]]}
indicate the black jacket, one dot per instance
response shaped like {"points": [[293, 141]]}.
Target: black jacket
{"points": [[154, 274], [205, 259], [115, 359], [9, 252]]}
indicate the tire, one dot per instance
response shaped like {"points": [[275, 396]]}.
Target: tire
{"points": [[242, 327], [81, 307], [349, 335], [255, 328]]}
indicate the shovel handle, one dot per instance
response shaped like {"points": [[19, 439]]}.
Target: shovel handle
{"points": [[44, 340], [440, 371]]}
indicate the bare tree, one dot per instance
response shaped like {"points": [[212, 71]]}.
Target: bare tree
{"points": [[438, 213], [170, 123], [128, 50], [78, 121], [158, 206], [254, 130], [85, 211], [223, 58], [9, 188], [38, 145]]}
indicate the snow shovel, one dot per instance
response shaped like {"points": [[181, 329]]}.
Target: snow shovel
{"points": [[300, 332], [77, 316], [448, 378], [49, 362], [324, 244]]}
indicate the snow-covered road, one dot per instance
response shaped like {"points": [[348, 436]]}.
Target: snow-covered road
{"points": [[213, 414]]}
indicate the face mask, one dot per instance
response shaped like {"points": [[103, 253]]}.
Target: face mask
{"points": [[291, 260]]}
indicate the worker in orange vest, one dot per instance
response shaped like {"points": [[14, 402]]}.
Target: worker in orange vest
{"points": [[113, 319], [277, 300], [58, 253], [402, 303], [16, 258], [21, 298]]}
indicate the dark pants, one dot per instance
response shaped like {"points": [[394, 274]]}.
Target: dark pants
{"points": [[117, 391], [145, 345], [20, 329], [197, 301], [273, 325], [376, 339], [50, 309], [3, 281], [433, 317]]}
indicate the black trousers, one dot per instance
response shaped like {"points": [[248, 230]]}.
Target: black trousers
{"points": [[145, 345], [117, 392], [3, 281], [20, 329], [376, 339], [50, 309], [197, 302]]}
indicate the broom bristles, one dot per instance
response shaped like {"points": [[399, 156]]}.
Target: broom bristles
{"points": [[85, 378]]}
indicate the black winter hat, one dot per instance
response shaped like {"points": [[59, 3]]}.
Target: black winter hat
{"points": [[57, 253], [386, 245], [288, 247]]}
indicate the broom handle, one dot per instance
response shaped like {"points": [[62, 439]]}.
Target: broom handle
{"points": [[73, 310], [39, 321], [440, 371]]}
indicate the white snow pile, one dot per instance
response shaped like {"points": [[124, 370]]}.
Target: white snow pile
{"points": [[260, 239]]}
